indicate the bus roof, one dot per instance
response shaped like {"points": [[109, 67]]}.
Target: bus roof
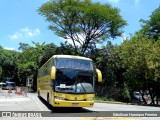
{"points": [[67, 56], [71, 56]]}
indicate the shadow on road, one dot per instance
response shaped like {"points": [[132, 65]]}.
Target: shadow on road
{"points": [[67, 111]]}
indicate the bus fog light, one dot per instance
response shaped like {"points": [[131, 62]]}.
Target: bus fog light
{"points": [[89, 98], [59, 98]]}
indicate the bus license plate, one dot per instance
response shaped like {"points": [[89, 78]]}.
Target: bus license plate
{"points": [[75, 104]]}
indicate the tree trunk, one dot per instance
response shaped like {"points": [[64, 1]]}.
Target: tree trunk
{"points": [[152, 96], [157, 100], [144, 100]]}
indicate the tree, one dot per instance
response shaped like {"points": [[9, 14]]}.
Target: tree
{"points": [[23, 46], [108, 61], [141, 59], [48, 51], [29, 61], [8, 66], [66, 48], [83, 22], [0, 70], [1, 60], [151, 27], [32, 58], [133, 54], [153, 63]]}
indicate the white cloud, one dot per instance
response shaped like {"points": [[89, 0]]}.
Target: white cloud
{"points": [[70, 41], [25, 33], [7, 48], [114, 1], [16, 35], [30, 32]]}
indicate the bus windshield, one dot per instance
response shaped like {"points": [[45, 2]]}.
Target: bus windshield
{"points": [[70, 81], [74, 64]]}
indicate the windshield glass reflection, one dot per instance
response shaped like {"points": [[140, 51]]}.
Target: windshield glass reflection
{"points": [[74, 81]]}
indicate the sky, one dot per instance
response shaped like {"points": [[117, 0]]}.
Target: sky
{"points": [[20, 21]]}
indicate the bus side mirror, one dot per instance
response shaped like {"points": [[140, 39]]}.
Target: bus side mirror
{"points": [[99, 75], [53, 73]]}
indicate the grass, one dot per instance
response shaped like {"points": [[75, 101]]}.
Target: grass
{"points": [[103, 99]]}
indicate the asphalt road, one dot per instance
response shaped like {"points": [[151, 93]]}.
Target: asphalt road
{"points": [[32, 107]]}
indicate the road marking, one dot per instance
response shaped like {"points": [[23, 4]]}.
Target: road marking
{"points": [[127, 119], [111, 118], [84, 117], [36, 101]]}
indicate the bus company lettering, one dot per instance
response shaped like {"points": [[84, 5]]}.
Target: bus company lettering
{"points": [[15, 114]]}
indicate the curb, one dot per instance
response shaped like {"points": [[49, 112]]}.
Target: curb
{"points": [[111, 102]]}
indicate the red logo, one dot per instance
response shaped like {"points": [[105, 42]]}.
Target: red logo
{"points": [[75, 98]]}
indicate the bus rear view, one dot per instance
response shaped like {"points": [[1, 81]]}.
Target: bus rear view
{"points": [[68, 81]]}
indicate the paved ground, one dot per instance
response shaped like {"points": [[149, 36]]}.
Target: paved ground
{"points": [[100, 111]]}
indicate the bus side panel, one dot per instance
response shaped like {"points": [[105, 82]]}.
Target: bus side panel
{"points": [[44, 86]]}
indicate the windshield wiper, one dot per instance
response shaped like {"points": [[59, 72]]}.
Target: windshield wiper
{"points": [[83, 88]]}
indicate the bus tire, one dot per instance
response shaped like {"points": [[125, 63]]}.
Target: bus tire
{"points": [[48, 97], [48, 104], [39, 93]]}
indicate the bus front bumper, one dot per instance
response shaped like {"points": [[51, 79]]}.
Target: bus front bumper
{"points": [[64, 103]]}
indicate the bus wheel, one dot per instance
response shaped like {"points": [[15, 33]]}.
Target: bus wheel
{"points": [[48, 98], [38, 93], [48, 104]]}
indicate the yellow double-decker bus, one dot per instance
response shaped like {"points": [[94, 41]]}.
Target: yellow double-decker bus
{"points": [[68, 81]]}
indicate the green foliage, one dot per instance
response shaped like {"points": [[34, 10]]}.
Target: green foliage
{"points": [[0, 70], [32, 58], [141, 59], [132, 66], [108, 61], [132, 55], [23, 46], [124, 94], [8, 60], [151, 27], [104, 99], [83, 22], [66, 49], [48, 51]]}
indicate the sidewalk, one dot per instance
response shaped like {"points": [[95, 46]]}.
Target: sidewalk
{"points": [[5, 96], [11, 98], [125, 103]]}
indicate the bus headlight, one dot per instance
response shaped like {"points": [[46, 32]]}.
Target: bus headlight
{"points": [[88, 99], [59, 98]]}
